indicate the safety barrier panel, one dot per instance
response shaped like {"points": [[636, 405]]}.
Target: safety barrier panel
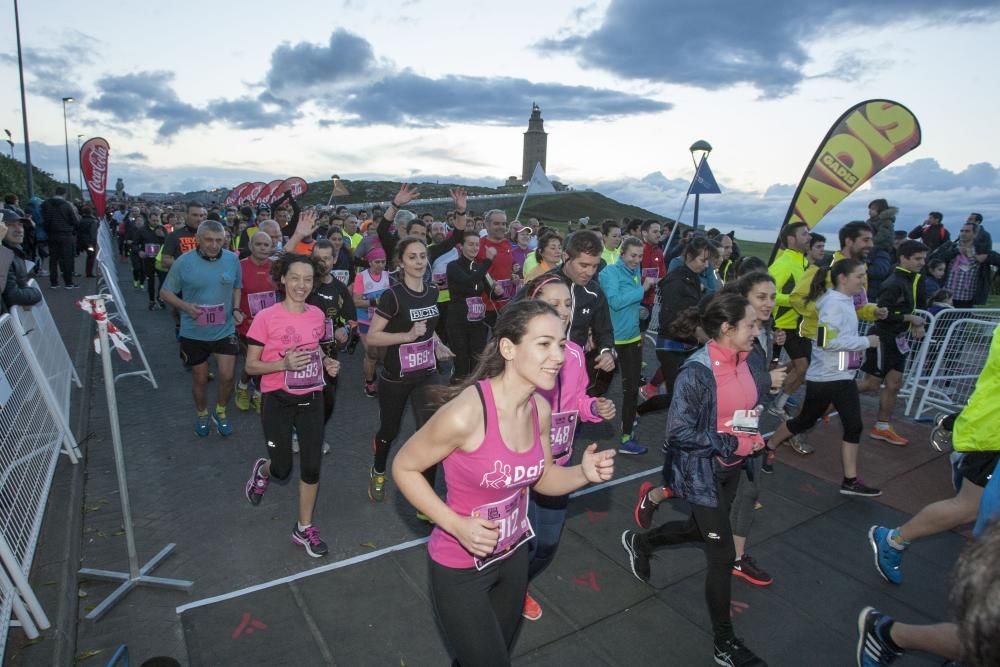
{"points": [[31, 435], [106, 254]]}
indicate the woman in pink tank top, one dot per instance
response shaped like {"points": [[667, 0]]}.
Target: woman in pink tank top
{"points": [[492, 438]]}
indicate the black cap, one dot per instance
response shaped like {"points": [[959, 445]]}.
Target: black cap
{"points": [[10, 216]]}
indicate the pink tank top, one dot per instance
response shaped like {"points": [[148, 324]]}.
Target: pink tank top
{"points": [[492, 482]]}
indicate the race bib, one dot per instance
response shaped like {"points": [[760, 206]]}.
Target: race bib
{"points": [[511, 514], [506, 288], [415, 357], [903, 343], [440, 280], [151, 249], [851, 361], [310, 377], [211, 316], [745, 421], [860, 299], [562, 431], [327, 332], [341, 275], [260, 300], [652, 272], [476, 308]]}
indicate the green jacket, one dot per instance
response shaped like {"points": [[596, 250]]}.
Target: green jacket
{"points": [[787, 271]]}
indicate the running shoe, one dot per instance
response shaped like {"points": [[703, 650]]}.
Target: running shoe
{"points": [[137, 284], [256, 400], [376, 486], [202, 425], [242, 398], [768, 464], [644, 507], [72, 286], [371, 389], [54, 286], [734, 653], [532, 610], [782, 413], [630, 446], [309, 538], [887, 557], [858, 488], [161, 303], [748, 569], [941, 436], [874, 649], [257, 484], [647, 391], [152, 305], [222, 422], [887, 435], [800, 446], [637, 560]]}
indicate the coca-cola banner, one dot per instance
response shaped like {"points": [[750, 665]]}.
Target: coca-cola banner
{"points": [[242, 193], [270, 192], [297, 185], [94, 164], [233, 197], [253, 194]]}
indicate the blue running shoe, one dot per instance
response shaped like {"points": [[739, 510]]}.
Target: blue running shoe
{"points": [[873, 649], [630, 446], [222, 422], [887, 557], [202, 426]]}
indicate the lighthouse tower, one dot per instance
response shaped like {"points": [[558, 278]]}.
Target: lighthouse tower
{"points": [[535, 142]]}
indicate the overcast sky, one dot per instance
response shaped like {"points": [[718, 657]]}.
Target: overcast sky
{"points": [[208, 94]]}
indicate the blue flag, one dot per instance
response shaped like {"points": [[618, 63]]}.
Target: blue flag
{"points": [[704, 182]]}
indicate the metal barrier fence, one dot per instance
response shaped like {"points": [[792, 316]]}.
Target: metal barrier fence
{"points": [[106, 254], [31, 435]]}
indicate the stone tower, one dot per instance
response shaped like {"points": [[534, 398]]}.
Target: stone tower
{"points": [[535, 141]]}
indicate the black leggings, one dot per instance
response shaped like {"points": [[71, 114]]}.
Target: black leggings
{"points": [[819, 395], [150, 276], [467, 340], [138, 264], [670, 366], [280, 413], [329, 398], [630, 361], [392, 398], [711, 526], [480, 611]]}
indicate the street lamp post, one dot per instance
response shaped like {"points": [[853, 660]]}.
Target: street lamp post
{"points": [[79, 166], [69, 179], [703, 147], [24, 107]]}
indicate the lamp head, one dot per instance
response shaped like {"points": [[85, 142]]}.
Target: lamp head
{"points": [[67, 99]]}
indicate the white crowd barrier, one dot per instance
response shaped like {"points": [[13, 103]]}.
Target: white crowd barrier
{"points": [[32, 432], [106, 256]]}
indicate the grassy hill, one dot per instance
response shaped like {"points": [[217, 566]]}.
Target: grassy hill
{"points": [[575, 205], [12, 179]]}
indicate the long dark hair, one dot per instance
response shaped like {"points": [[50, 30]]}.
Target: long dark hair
{"points": [[817, 287], [724, 308], [745, 283], [512, 325]]}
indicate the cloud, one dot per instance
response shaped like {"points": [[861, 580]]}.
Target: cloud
{"points": [[764, 44], [51, 72], [135, 155], [294, 67]]}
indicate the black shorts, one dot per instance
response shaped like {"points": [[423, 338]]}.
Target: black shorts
{"points": [[978, 466], [196, 352], [884, 358], [796, 346]]}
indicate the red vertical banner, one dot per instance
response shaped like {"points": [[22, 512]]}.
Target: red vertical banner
{"points": [[270, 192], [297, 185], [231, 199], [94, 163]]}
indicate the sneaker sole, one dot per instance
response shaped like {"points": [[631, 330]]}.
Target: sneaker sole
{"points": [[250, 483], [631, 557], [878, 567], [889, 440], [305, 543], [846, 492], [749, 579], [862, 621], [531, 617], [631, 453]]}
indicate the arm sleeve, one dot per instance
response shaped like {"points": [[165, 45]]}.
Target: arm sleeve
{"points": [[16, 294], [916, 233], [797, 299], [171, 247], [348, 311], [619, 293], [387, 306], [781, 272], [847, 338], [682, 421], [888, 298]]}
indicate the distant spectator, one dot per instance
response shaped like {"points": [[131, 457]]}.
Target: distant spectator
{"points": [[16, 290], [934, 275], [968, 273], [60, 220], [940, 300], [931, 232], [817, 249], [882, 218]]}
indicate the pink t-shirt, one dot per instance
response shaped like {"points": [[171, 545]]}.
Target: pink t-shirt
{"points": [[277, 330], [735, 390], [492, 482]]}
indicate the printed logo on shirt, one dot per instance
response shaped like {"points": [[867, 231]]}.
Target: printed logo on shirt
{"points": [[187, 243], [417, 314], [503, 474], [585, 311]]}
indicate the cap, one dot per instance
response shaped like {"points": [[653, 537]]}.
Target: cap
{"points": [[375, 253], [9, 217], [517, 228], [263, 207]]}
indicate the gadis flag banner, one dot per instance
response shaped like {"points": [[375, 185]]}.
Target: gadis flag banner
{"points": [[865, 139], [94, 162]]}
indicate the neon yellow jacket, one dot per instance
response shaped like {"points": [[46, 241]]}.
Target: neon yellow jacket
{"points": [[807, 309], [787, 272], [977, 427]]}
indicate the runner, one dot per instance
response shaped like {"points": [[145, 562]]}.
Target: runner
{"points": [[711, 428], [493, 441], [210, 281], [830, 377], [901, 294], [787, 270], [624, 284], [334, 300], [612, 232], [501, 270], [403, 324], [652, 266], [258, 293], [466, 280], [149, 238], [284, 349], [369, 284], [546, 257], [570, 404]]}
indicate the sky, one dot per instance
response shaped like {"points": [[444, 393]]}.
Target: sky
{"points": [[194, 95]]}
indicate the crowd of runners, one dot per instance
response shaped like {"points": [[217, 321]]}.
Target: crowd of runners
{"points": [[503, 336]]}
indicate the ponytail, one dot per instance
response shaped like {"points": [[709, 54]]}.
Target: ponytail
{"points": [[841, 267]]}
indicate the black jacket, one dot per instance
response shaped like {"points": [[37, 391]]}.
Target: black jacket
{"points": [[466, 278], [901, 293], [680, 290], [17, 291], [591, 316], [931, 236], [87, 235], [59, 218]]}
